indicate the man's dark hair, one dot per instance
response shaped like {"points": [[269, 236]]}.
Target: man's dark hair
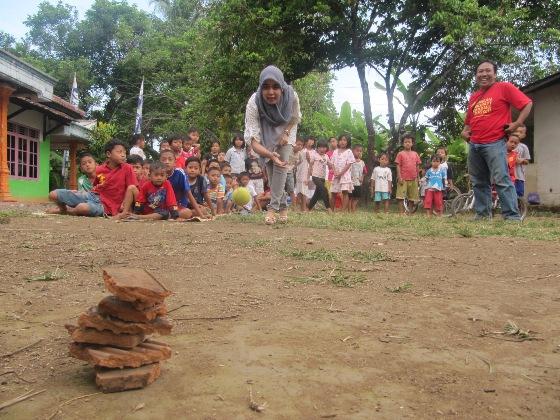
{"points": [[192, 159], [157, 166], [85, 154], [136, 138], [109, 146], [134, 160], [494, 65]]}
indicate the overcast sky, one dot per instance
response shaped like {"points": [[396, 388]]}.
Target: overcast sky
{"points": [[346, 87]]}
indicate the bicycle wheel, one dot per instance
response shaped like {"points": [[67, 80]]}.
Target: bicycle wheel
{"points": [[450, 194], [410, 206], [460, 204]]}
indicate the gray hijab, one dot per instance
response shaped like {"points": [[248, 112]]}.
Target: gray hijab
{"points": [[274, 118]]}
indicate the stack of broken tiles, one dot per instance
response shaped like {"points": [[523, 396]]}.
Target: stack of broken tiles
{"points": [[115, 335]]}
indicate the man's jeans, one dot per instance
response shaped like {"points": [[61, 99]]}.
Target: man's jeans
{"points": [[487, 165]]}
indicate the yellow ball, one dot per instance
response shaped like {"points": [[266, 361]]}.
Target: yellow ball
{"points": [[241, 196]]}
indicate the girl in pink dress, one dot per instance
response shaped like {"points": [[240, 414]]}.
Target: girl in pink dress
{"points": [[340, 163]]}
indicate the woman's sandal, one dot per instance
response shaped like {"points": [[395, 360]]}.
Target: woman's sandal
{"points": [[283, 216], [270, 217]]}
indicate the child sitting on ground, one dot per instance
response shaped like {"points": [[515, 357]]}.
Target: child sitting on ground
{"points": [[111, 181], [156, 199], [137, 164], [244, 181], [197, 184], [88, 166], [357, 172], [228, 201], [381, 183], [216, 191], [256, 174], [436, 182], [181, 187], [146, 167]]}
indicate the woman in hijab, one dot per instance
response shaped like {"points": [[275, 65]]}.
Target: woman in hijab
{"points": [[271, 120]]}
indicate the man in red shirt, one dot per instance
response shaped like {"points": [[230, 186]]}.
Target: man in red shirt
{"points": [[110, 184], [487, 124]]}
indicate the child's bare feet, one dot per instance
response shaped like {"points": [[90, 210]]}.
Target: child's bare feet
{"points": [[55, 210]]}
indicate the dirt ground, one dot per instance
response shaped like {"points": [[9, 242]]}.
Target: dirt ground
{"points": [[304, 346]]}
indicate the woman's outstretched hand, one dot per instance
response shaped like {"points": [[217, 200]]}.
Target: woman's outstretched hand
{"points": [[277, 161]]}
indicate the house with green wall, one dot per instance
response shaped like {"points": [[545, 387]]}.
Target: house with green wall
{"points": [[33, 122]]}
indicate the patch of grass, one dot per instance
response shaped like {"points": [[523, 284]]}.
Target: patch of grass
{"points": [[47, 276], [397, 226], [464, 231], [369, 256], [400, 289], [340, 279], [311, 254]]}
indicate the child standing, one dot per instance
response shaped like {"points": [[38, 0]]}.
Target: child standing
{"points": [[194, 135], [340, 163], [408, 163], [212, 155], [236, 155], [318, 172], [176, 144], [111, 182], [138, 144], [357, 172], [156, 199], [512, 155], [436, 182], [381, 183], [87, 166], [216, 191], [302, 177], [523, 157]]}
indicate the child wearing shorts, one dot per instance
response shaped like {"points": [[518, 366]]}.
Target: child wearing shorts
{"points": [[408, 164], [381, 183]]}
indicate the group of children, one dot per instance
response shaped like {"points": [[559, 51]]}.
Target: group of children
{"points": [[183, 183]]}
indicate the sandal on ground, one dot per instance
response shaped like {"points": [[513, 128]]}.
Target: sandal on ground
{"points": [[270, 217], [283, 216]]}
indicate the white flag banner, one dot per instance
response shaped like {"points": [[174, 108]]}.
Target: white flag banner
{"points": [[74, 99], [138, 123]]}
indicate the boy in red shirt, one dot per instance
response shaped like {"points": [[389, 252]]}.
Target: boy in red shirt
{"points": [[156, 199], [111, 182], [408, 163], [176, 143]]}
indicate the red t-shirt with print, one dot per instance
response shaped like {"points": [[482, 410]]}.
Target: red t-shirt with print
{"points": [[111, 185], [408, 161], [180, 161], [152, 197], [490, 110], [512, 161]]}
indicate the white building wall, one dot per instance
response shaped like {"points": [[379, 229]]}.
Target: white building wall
{"points": [[547, 144]]}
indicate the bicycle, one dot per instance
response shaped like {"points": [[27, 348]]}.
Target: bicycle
{"points": [[464, 203]]}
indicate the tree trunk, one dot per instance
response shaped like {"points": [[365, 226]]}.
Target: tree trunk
{"points": [[369, 126]]}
